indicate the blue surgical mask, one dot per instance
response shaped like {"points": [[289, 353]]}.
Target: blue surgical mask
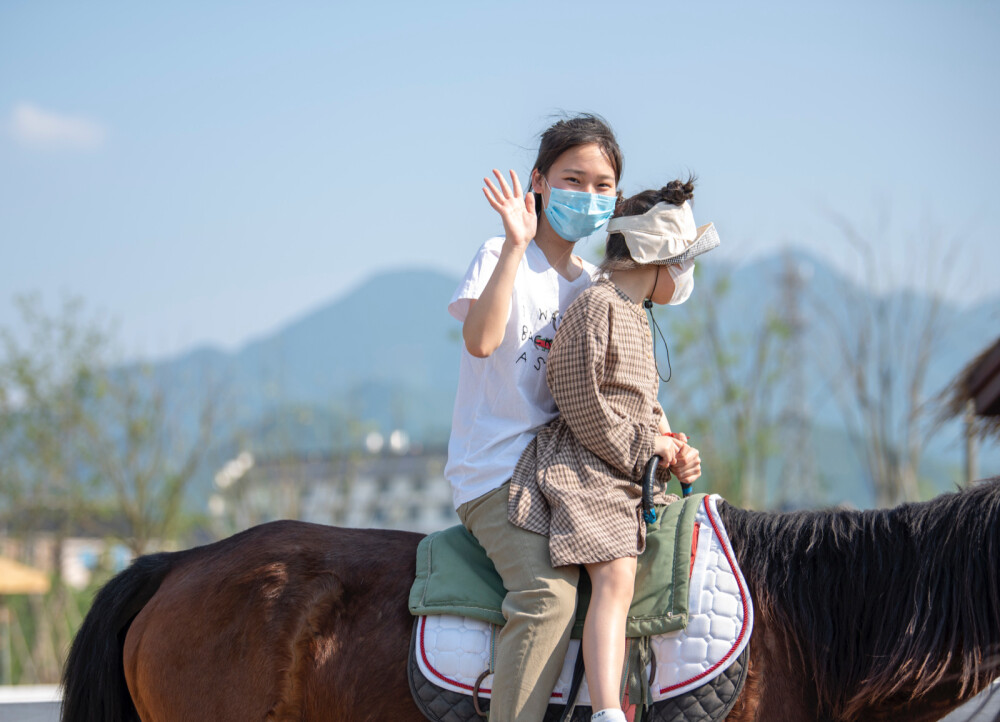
{"points": [[575, 215]]}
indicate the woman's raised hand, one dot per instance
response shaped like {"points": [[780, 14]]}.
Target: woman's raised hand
{"points": [[515, 208]]}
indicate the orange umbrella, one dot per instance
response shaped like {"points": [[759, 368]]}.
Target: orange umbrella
{"points": [[16, 578]]}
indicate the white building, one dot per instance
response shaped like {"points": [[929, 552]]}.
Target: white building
{"points": [[397, 488]]}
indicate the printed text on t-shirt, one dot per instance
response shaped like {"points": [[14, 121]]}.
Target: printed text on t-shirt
{"points": [[540, 342]]}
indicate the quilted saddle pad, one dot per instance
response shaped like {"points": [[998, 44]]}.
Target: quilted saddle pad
{"points": [[452, 652]]}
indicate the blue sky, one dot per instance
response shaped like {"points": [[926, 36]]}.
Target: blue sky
{"points": [[202, 172]]}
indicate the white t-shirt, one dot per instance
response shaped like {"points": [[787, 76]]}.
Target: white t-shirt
{"points": [[503, 399]]}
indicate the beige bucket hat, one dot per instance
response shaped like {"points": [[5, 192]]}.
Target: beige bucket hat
{"points": [[664, 234]]}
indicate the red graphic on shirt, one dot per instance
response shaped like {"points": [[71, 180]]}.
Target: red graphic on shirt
{"points": [[543, 343]]}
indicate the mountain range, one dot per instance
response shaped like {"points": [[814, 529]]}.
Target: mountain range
{"points": [[384, 356]]}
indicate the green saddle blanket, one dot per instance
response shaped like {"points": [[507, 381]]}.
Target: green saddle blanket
{"points": [[454, 576]]}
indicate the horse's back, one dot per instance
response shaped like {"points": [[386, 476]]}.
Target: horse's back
{"points": [[285, 620]]}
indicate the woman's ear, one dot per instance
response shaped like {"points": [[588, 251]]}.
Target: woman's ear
{"points": [[536, 181]]}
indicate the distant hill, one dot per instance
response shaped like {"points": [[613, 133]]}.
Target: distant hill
{"points": [[756, 287], [384, 356], [385, 353]]}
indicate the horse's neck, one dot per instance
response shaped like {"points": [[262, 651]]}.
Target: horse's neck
{"points": [[871, 603]]}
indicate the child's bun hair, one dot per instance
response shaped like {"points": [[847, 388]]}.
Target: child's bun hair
{"points": [[676, 192]]}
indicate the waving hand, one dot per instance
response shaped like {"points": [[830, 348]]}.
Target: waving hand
{"points": [[515, 208]]}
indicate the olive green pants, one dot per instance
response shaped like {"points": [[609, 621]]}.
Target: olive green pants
{"points": [[540, 607]]}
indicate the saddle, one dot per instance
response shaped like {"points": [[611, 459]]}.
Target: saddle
{"points": [[689, 625]]}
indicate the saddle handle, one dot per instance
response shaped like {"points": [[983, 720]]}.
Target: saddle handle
{"points": [[648, 481]]}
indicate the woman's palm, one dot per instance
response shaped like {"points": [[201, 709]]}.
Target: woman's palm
{"points": [[516, 210]]}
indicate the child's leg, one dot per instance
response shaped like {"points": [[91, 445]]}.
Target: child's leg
{"points": [[604, 629]]}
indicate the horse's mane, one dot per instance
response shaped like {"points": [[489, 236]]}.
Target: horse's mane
{"points": [[882, 604]]}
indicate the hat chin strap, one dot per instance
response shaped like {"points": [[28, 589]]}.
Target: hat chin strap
{"points": [[648, 301]]}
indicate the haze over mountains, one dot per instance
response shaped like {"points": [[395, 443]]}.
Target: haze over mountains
{"points": [[384, 356]]}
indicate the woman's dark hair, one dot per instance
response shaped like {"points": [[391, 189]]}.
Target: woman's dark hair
{"points": [[571, 132], [616, 255]]}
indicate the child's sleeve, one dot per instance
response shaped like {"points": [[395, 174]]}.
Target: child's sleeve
{"points": [[476, 277], [575, 372], [658, 413]]}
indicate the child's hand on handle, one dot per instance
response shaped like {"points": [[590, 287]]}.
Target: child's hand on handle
{"points": [[667, 448], [687, 464], [516, 208]]}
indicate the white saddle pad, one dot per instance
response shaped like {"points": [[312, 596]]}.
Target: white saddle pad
{"points": [[453, 651]]}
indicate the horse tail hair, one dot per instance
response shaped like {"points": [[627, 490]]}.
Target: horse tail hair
{"points": [[94, 687]]}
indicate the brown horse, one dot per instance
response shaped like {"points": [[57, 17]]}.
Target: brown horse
{"points": [[873, 615]]}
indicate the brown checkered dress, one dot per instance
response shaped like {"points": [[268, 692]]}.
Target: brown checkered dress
{"points": [[574, 482]]}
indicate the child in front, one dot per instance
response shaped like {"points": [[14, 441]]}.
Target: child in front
{"points": [[575, 482]]}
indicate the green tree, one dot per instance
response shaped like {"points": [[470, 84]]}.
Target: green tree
{"points": [[44, 400], [44, 395], [726, 399], [883, 345], [88, 447], [141, 462]]}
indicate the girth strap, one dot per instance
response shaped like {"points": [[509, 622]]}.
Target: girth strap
{"points": [[574, 688]]}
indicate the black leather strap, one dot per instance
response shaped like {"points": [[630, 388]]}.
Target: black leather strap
{"points": [[574, 688]]}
